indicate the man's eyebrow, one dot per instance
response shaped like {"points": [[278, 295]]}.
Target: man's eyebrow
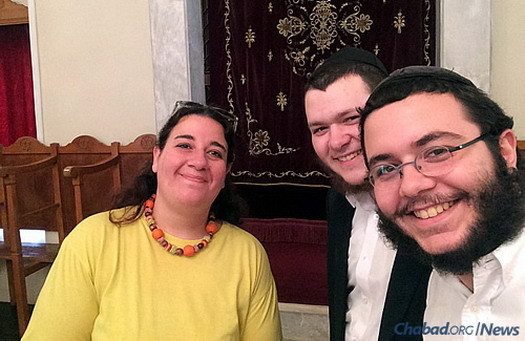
{"points": [[337, 116], [421, 142], [432, 136], [379, 158]]}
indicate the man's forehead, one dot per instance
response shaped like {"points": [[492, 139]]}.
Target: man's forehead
{"points": [[416, 120], [423, 106]]}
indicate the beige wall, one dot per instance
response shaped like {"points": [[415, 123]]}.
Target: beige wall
{"points": [[96, 73], [508, 51]]}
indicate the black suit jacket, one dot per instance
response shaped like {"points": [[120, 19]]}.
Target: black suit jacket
{"points": [[406, 295]]}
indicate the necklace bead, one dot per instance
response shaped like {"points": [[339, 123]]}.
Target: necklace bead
{"points": [[158, 234]]}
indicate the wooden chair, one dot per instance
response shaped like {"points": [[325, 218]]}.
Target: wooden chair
{"points": [[29, 198], [90, 178], [135, 156]]}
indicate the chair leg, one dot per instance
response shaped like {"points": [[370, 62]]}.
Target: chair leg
{"points": [[20, 293], [10, 281]]}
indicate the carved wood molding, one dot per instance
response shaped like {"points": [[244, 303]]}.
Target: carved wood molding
{"points": [[12, 13]]}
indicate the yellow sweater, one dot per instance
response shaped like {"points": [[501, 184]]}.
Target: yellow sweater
{"points": [[117, 283]]}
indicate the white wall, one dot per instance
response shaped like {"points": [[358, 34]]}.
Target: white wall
{"points": [[508, 56], [96, 71]]}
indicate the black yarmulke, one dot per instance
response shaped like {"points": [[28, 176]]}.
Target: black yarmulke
{"points": [[354, 55]]}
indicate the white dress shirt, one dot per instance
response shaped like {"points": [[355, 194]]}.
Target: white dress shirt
{"points": [[496, 308], [370, 263]]}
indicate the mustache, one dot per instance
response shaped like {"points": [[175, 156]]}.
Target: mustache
{"points": [[429, 199]]}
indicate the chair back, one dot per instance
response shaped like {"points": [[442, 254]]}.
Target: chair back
{"points": [[90, 177]]}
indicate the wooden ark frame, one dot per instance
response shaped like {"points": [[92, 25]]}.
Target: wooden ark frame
{"points": [[12, 13]]}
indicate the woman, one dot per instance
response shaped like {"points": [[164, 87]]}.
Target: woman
{"points": [[161, 265]]}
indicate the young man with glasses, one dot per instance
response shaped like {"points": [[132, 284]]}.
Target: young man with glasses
{"points": [[448, 180], [363, 272]]}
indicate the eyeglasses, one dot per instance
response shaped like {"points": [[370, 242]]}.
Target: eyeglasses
{"points": [[230, 117], [433, 161]]}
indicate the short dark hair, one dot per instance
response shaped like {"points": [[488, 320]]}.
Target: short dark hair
{"points": [[348, 61], [225, 206], [480, 109]]}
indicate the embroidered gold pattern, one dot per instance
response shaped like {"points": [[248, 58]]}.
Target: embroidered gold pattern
{"points": [[243, 79], [323, 25], [282, 101], [250, 37], [280, 175], [260, 139], [376, 49], [399, 21], [270, 55], [270, 7], [313, 27], [427, 33]]}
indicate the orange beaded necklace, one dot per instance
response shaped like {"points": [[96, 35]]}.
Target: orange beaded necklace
{"points": [[158, 234]]}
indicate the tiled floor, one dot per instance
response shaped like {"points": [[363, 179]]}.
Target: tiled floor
{"points": [[304, 322], [300, 322]]}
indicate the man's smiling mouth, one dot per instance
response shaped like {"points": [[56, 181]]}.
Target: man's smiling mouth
{"points": [[350, 156], [433, 211]]}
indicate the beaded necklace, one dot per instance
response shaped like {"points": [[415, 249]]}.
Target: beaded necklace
{"points": [[158, 234]]}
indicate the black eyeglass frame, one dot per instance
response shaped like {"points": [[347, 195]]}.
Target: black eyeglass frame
{"points": [[229, 116], [449, 149]]}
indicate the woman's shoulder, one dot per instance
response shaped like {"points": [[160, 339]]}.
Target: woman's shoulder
{"points": [[239, 235], [100, 223]]}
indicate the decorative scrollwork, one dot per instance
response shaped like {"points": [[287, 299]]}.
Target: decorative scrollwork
{"points": [[279, 175], [311, 29], [260, 139]]}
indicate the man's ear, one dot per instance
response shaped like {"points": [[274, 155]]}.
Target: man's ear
{"points": [[507, 147]]}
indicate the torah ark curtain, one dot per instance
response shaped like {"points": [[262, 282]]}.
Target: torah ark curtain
{"points": [[260, 53]]}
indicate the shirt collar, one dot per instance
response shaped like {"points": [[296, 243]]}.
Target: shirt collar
{"points": [[508, 256], [362, 199]]}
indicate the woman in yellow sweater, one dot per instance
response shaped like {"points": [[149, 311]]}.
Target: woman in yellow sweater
{"points": [[166, 263]]}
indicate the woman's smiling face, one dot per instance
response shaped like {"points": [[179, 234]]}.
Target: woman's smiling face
{"points": [[192, 167]]}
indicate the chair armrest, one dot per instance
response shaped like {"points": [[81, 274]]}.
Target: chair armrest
{"points": [[30, 167], [76, 171]]}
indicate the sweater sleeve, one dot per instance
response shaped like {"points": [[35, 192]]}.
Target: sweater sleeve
{"points": [[67, 305], [263, 322]]}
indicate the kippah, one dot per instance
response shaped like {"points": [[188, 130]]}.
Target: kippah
{"points": [[353, 55], [419, 71]]}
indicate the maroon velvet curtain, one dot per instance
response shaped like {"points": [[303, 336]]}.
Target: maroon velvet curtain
{"points": [[260, 53], [17, 114]]}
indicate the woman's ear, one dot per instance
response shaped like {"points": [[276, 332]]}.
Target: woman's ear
{"points": [[156, 154], [507, 147]]}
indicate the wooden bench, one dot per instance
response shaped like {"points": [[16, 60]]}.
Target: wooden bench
{"points": [[52, 188]]}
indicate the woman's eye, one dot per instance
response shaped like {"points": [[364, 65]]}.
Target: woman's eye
{"points": [[217, 154]]}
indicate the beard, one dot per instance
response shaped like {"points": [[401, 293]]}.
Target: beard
{"points": [[500, 207], [341, 185]]}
